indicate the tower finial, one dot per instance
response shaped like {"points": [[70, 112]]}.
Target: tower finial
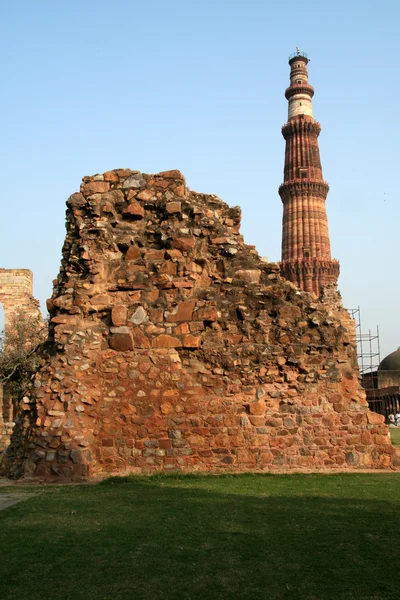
{"points": [[297, 50]]}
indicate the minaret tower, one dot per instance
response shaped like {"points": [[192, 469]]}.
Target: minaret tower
{"points": [[306, 254]]}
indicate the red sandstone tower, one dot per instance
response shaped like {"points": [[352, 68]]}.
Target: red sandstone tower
{"points": [[306, 254]]}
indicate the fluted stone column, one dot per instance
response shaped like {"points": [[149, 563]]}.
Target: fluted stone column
{"points": [[306, 254]]}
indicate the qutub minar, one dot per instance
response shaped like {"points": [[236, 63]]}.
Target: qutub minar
{"points": [[306, 254]]}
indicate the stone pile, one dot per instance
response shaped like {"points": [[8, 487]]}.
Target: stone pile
{"points": [[173, 346]]}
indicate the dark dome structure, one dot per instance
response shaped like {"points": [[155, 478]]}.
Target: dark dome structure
{"points": [[391, 362]]}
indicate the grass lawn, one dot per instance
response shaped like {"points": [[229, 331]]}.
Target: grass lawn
{"points": [[311, 537], [395, 435]]}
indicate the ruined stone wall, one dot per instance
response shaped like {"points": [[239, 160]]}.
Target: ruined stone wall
{"points": [[173, 346], [15, 295]]}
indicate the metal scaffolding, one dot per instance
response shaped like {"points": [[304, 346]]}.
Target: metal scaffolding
{"points": [[368, 350]]}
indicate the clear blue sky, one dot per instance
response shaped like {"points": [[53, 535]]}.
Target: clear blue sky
{"points": [[90, 86]]}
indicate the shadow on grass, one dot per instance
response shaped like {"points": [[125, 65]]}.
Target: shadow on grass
{"points": [[196, 538]]}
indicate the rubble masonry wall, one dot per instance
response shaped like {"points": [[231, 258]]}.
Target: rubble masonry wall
{"points": [[173, 346]]}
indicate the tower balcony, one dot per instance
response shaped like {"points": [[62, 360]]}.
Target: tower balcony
{"points": [[303, 187], [299, 88], [303, 125], [298, 55]]}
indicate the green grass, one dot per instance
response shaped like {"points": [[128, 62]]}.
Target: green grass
{"points": [[250, 537], [395, 435]]}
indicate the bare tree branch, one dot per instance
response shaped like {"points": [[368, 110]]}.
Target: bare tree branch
{"points": [[19, 356]]}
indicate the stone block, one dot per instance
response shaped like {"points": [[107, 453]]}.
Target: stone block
{"points": [[248, 275], [121, 341], [166, 341], [139, 316], [133, 253], [135, 181], [257, 408], [95, 187], [119, 315], [190, 341], [145, 195], [134, 210], [184, 243], [173, 207], [182, 312]]}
